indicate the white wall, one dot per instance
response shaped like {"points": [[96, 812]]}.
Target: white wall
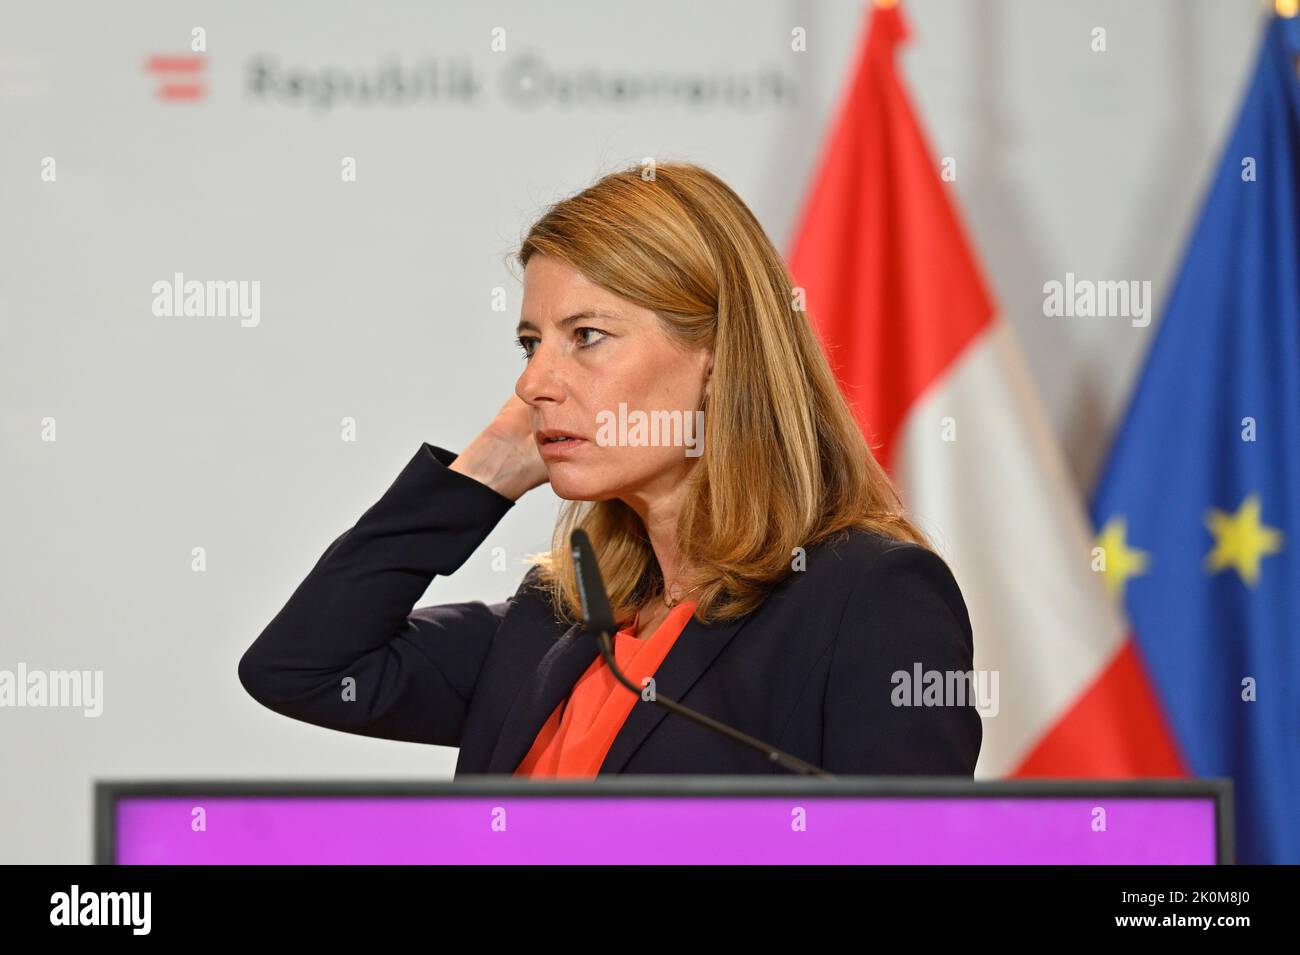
{"points": [[175, 433]]}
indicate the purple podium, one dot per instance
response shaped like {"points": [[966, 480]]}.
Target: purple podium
{"points": [[493, 820]]}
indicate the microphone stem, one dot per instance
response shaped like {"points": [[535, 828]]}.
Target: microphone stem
{"points": [[792, 763]]}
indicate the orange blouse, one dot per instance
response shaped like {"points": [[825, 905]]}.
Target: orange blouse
{"points": [[578, 734]]}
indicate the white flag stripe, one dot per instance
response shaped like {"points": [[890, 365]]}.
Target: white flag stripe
{"points": [[1016, 536]]}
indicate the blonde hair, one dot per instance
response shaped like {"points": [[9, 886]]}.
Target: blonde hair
{"points": [[785, 465]]}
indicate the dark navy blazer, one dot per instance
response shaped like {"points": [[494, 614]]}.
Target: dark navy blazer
{"points": [[811, 671]]}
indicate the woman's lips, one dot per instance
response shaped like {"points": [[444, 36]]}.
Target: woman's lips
{"points": [[560, 449]]}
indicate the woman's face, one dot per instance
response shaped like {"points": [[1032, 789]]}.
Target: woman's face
{"points": [[605, 373]]}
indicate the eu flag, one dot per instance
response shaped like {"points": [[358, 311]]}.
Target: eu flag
{"points": [[1199, 504]]}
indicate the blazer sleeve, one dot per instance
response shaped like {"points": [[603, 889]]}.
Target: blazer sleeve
{"points": [[347, 651], [905, 612]]}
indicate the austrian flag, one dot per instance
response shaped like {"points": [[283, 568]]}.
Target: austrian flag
{"points": [[939, 388]]}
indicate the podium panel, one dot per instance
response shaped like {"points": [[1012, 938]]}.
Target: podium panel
{"points": [[731, 820]]}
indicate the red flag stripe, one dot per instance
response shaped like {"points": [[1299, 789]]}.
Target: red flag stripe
{"points": [[1116, 729], [892, 285], [181, 91], [176, 64]]}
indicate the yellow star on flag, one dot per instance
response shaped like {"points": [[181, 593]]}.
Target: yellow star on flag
{"points": [[1121, 561], [1240, 540]]}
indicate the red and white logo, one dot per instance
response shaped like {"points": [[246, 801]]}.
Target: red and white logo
{"points": [[180, 76]]}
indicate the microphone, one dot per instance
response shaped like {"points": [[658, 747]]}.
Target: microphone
{"points": [[598, 619]]}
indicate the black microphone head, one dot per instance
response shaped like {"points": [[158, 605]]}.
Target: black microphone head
{"points": [[596, 613]]}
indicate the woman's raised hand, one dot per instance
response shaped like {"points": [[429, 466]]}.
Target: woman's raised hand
{"points": [[504, 456]]}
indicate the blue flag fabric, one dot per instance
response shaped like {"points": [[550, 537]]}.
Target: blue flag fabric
{"points": [[1199, 503]]}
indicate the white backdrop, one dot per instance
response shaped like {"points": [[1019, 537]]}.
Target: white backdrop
{"points": [[181, 432]]}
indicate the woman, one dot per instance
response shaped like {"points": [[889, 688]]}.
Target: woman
{"points": [[762, 572]]}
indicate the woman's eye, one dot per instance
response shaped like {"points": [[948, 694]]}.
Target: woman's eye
{"points": [[528, 344]]}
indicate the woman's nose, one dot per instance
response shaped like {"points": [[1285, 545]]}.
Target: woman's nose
{"points": [[540, 380]]}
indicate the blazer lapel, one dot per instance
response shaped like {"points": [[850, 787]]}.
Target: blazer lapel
{"points": [[559, 669], [693, 652]]}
